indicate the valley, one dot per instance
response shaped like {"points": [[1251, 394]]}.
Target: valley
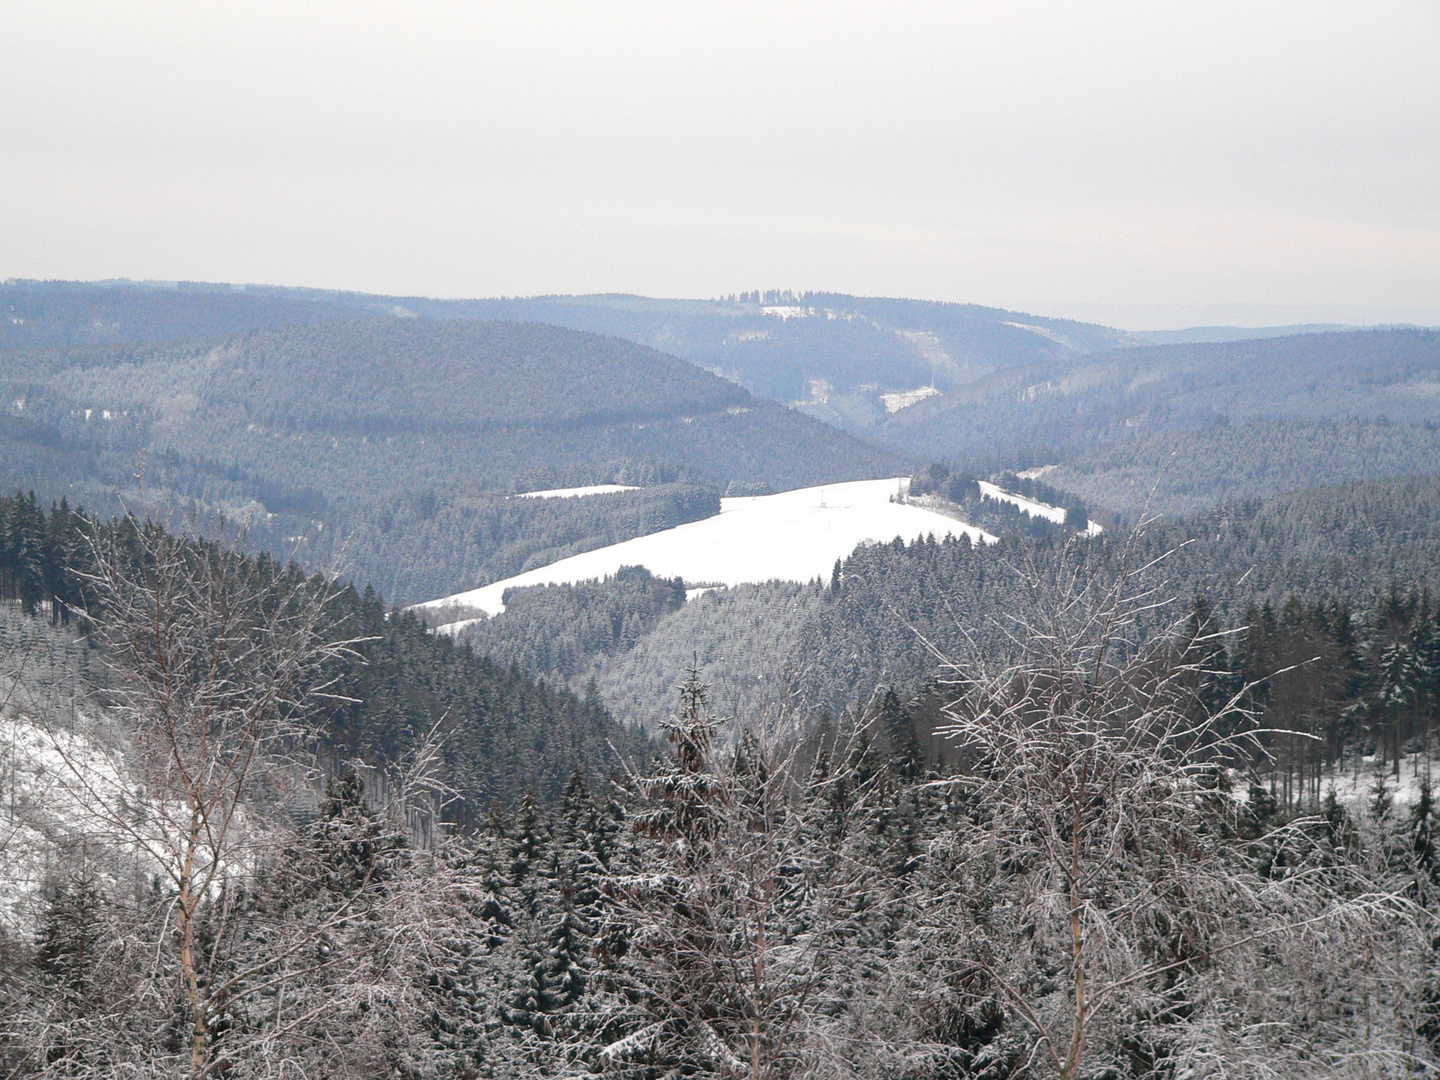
{"points": [[637, 541], [522, 607]]}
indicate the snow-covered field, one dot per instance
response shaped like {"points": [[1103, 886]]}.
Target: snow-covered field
{"points": [[1030, 506], [576, 492], [1037, 473], [792, 536]]}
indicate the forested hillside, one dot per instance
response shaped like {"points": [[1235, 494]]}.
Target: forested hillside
{"points": [[504, 734], [1207, 421], [1351, 544], [354, 408], [1083, 401], [834, 353], [391, 444], [980, 387], [892, 613], [1187, 471], [417, 546], [82, 315], [558, 630], [843, 905], [889, 893], [632, 639]]}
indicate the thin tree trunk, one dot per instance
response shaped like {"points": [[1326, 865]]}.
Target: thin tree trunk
{"points": [[193, 995]]}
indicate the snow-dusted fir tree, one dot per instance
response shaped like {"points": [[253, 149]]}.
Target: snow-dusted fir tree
{"points": [[739, 915]]}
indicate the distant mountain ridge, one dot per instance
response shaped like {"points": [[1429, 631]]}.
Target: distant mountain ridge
{"points": [[82, 315], [1199, 335], [1324, 374], [834, 356], [981, 387]]}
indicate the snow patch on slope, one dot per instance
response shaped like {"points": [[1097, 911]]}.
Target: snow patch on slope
{"points": [[929, 346], [792, 536], [52, 776], [578, 492], [1047, 334], [904, 399]]}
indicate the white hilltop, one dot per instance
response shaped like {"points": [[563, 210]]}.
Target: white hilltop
{"points": [[792, 536]]}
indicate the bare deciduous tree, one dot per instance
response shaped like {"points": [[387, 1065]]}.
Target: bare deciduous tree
{"points": [[219, 663], [1097, 886]]}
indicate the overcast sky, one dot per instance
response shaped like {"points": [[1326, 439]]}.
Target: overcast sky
{"points": [[1150, 164]]}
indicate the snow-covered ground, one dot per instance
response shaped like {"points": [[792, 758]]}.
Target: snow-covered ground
{"points": [[51, 777], [576, 492], [904, 399], [1048, 334], [1037, 473], [792, 536], [1031, 507], [1354, 781]]}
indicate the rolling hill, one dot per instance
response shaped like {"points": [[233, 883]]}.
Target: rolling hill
{"points": [[84, 315], [847, 360], [842, 359], [316, 434], [1206, 421]]}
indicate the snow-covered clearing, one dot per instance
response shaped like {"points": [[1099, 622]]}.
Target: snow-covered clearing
{"points": [[577, 492], [70, 803], [1354, 780], [1031, 507], [904, 399], [929, 346], [1037, 473], [792, 536], [51, 776]]}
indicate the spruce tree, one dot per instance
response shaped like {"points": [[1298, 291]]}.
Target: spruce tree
{"points": [[71, 937]]}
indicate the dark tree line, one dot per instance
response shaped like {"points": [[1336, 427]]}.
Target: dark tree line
{"points": [[39, 553], [999, 516]]}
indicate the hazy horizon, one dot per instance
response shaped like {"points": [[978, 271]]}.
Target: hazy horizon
{"points": [[1145, 167], [1138, 318]]}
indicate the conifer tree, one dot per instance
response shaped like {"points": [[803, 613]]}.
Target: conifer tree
{"points": [[71, 938]]}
